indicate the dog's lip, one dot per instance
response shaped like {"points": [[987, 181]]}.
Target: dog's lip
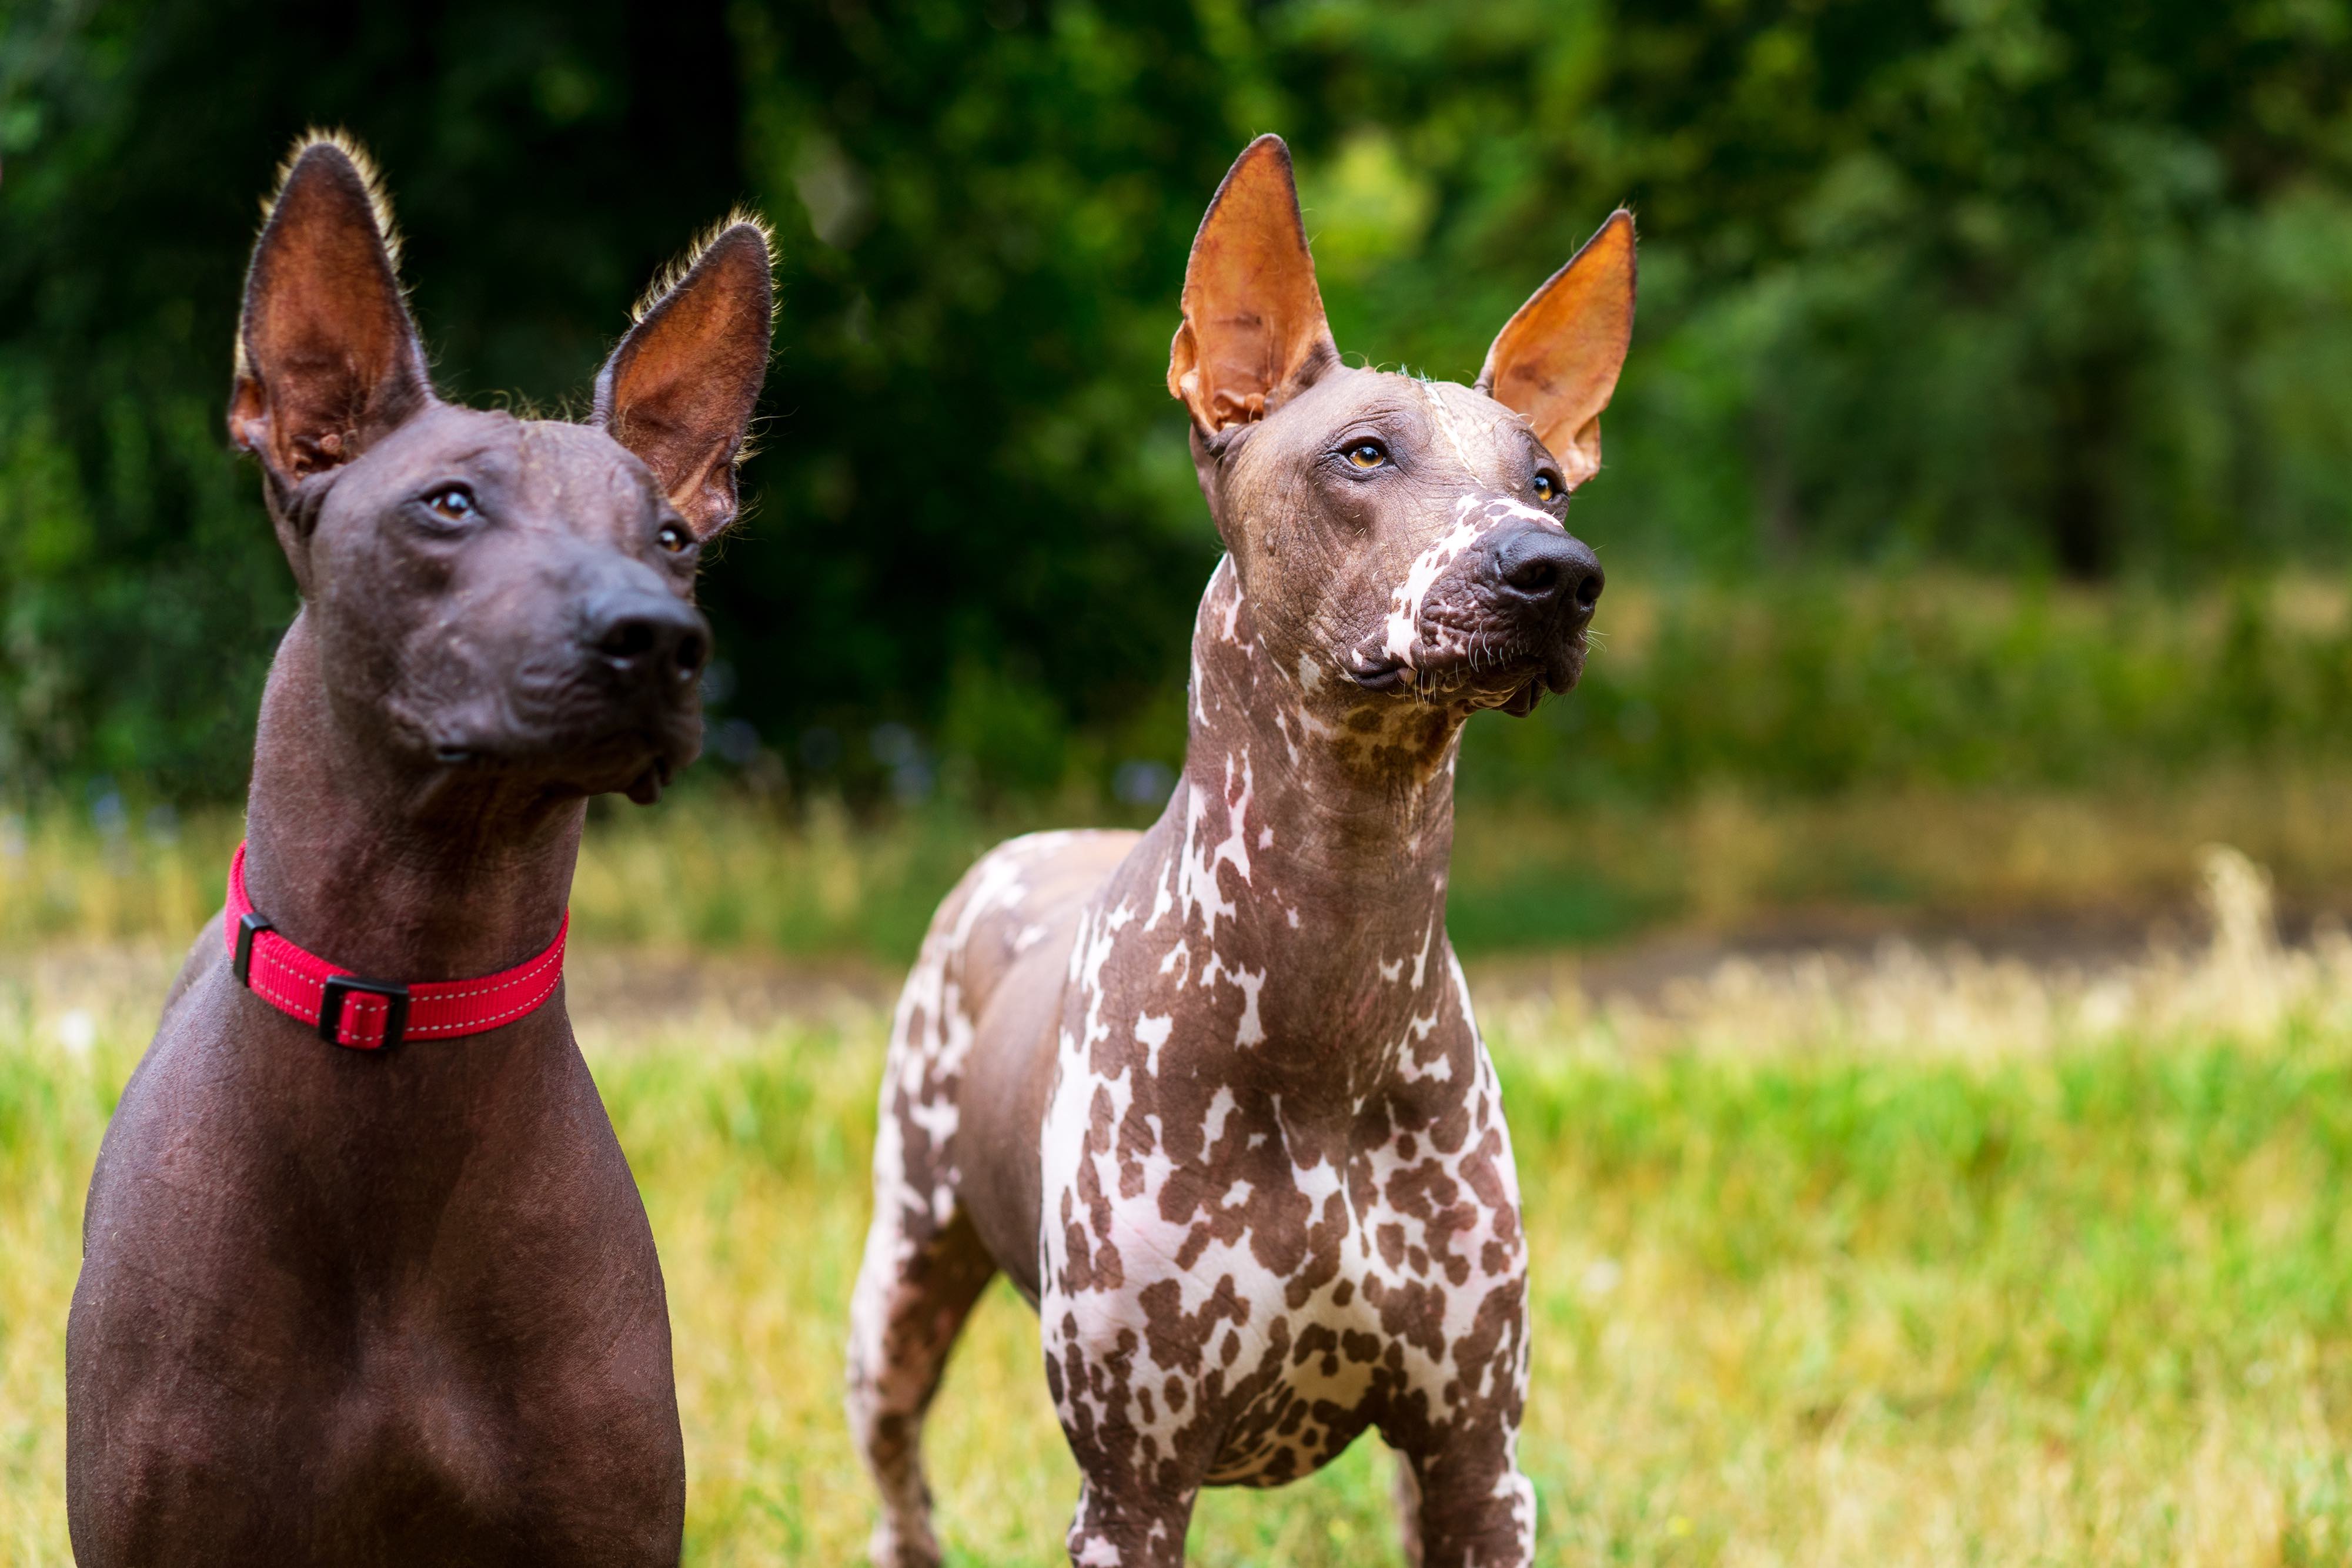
{"points": [[1565, 665], [647, 786], [1381, 675], [670, 740]]}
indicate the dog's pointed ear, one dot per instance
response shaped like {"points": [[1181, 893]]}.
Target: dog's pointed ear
{"points": [[326, 357], [1556, 360], [1254, 322], [679, 389]]}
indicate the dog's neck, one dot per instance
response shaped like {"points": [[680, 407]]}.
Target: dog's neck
{"points": [[391, 872], [1337, 807]]}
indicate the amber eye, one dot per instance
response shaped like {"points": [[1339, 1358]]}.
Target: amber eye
{"points": [[674, 538], [1368, 454], [1548, 488], [451, 504]]}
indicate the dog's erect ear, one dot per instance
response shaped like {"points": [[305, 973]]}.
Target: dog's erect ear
{"points": [[1556, 360], [1252, 316], [679, 389], [326, 357]]}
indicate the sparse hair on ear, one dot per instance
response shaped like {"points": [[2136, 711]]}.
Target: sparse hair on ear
{"points": [[679, 388], [1254, 328], [326, 356], [1557, 359]]}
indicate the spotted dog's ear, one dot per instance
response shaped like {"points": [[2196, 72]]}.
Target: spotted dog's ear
{"points": [[1254, 324], [679, 389], [326, 357], [1556, 360]]}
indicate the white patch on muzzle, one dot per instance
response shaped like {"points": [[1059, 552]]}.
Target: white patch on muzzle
{"points": [[1474, 517]]}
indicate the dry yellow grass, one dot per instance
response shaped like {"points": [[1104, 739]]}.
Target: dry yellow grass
{"points": [[1914, 1260], [721, 872]]}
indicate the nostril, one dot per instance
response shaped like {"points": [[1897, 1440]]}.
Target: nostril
{"points": [[1536, 576], [628, 641], [1542, 569], [648, 640]]}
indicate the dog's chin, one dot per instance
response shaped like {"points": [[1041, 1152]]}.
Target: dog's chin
{"points": [[1522, 700], [1518, 698], [647, 786], [651, 769], [1557, 673], [641, 774], [1472, 673], [1512, 686], [639, 764]]}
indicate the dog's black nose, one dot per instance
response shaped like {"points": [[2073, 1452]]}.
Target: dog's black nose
{"points": [[1543, 567], [649, 634]]}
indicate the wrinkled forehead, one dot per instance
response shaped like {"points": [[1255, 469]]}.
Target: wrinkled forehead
{"points": [[1440, 428], [1491, 442], [578, 468], [546, 470]]}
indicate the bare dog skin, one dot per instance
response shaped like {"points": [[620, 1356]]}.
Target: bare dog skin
{"points": [[1212, 1095], [402, 1306]]}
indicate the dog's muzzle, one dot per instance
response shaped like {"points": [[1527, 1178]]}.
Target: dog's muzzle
{"points": [[1504, 624]]}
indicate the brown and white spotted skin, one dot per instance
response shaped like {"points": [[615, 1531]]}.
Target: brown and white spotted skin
{"points": [[1212, 1095]]}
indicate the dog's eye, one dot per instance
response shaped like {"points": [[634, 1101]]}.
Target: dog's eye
{"points": [[674, 538], [1548, 488], [451, 504], [1368, 454]]}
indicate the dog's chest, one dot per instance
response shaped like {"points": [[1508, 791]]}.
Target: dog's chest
{"points": [[1235, 1273], [1410, 1312]]}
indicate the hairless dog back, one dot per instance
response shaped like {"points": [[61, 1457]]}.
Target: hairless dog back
{"points": [[400, 1305], [1212, 1095]]}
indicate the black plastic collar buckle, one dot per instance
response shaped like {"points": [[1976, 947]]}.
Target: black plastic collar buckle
{"points": [[251, 925], [395, 1008]]}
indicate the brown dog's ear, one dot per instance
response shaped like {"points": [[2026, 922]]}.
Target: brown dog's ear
{"points": [[1556, 360], [679, 389], [1253, 316], [326, 357]]}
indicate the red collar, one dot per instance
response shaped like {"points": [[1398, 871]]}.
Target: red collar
{"points": [[374, 1015]]}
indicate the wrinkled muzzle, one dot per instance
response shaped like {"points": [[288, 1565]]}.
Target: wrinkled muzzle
{"points": [[1495, 613], [644, 651], [602, 699]]}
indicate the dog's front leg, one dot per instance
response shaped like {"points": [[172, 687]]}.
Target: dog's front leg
{"points": [[1461, 1498], [1120, 1523], [1466, 1505], [1143, 1454], [1136, 1500]]}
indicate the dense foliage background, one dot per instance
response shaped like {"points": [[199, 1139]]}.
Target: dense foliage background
{"points": [[2040, 289]]}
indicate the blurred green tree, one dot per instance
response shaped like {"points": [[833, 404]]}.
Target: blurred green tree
{"points": [[544, 158], [2033, 286]]}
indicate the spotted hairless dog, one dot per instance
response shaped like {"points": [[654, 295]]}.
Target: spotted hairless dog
{"points": [[393, 1300], [1212, 1095]]}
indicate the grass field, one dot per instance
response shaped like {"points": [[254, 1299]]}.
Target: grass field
{"points": [[720, 871], [1918, 1260]]}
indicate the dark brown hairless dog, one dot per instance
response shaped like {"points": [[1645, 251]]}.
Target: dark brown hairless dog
{"points": [[1212, 1095], [401, 1305]]}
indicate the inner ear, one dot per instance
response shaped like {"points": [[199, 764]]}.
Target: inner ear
{"points": [[328, 358], [1557, 359], [679, 389], [1254, 326]]}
